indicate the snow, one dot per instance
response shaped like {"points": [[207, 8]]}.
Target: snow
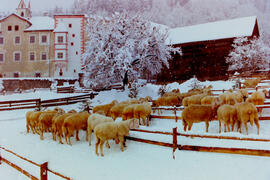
{"points": [[212, 31], [41, 23], [139, 160]]}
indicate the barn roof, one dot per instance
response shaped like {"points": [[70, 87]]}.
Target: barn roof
{"points": [[212, 31]]}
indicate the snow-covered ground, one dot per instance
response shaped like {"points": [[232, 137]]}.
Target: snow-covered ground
{"points": [[139, 160]]}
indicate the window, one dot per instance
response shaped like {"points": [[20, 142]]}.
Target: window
{"points": [[9, 28], [60, 55], [77, 53], [17, 56], [43, 56], [16, 28], [16, 74], [2, 57], [43, 39], [17, 40], [32, 39], [32, 56], [60, 39], [71, 43], [1, 40], [73, 35], [70, 25]]}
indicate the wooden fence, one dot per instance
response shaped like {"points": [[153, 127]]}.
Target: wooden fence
{"points": [[175, 145], [38, 103], [43, 167]]}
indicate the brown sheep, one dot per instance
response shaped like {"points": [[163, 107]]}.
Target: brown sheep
{"points": [[128, 112], [104, 109], [111, 130], [75, 122], [251, 83], [208, 99], [142, 111], [257, 98], [199, 113], [45, 122], [247, 112], [227, 114], [57, 123]]}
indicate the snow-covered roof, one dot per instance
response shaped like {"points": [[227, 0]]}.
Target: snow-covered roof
{"points": [[60, 28], [41, 23], [211, 31]]}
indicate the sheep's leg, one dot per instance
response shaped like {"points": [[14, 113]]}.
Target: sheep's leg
{"points": [[147, 120], [185, 125], [77, 135], [225, 128], [207, 125], [86, 137], [27, 128], [101, 147], [258, 125], [239, 126], [107, 144], [89, 132], [59, 138], [246, 127], [97, 143], [219, 125], [69, 142], [189, 125], [122, 141]]}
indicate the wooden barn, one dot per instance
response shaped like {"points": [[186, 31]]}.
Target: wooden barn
{"points": [[205, 47]]}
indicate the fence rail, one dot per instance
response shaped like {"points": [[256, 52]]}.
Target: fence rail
{"points": [[175, 145], [38, 103], [43, 167]]}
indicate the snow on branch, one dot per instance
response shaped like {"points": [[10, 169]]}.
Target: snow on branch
{"points": [[122, 43]]}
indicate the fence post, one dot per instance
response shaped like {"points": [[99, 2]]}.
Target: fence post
{"points": [[44, 171], [38, 104], [174, 141], [0, 158], [175, 114]]}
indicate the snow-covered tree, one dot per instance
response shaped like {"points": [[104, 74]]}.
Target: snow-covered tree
{"points": [[122, 43], [249, 55]]}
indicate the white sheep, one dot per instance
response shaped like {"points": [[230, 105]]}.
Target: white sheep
{"points": [[257, 98], [111, 130], [93, 121]]}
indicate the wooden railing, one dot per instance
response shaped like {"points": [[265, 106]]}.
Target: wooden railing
{"points": [[43, 167], [38, 103]]}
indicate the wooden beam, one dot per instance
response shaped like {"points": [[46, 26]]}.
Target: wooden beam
{"points": [[242, 151], [19, 169], [150, 141]]}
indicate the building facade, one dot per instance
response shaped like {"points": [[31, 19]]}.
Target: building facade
{"points": [[41, 46]]}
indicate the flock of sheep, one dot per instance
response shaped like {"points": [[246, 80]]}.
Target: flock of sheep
{"points": [[101, 122], [201, 105]]}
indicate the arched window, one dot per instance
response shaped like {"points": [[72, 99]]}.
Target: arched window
{"points": [[22, 14]]}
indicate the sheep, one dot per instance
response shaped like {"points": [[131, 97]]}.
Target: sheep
{"points": [[93, 121], [75, 122], [57, 123], [104, 109], [194, 99], [258, 98], [199, 113], [247, 112], [166, 101], [251, 83], [208, 99], [244, 93], [128, 112], [111, 130], [45, 122], [227, 98], [227, 114], [116, 110], [142, 111], [32, 121]]}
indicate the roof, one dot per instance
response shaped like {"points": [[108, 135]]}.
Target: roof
{"points": [[13, 14], [212, 31], [41, 23], [60, 28]]}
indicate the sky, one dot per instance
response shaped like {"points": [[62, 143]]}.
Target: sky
{"points": [[36, 5]]}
